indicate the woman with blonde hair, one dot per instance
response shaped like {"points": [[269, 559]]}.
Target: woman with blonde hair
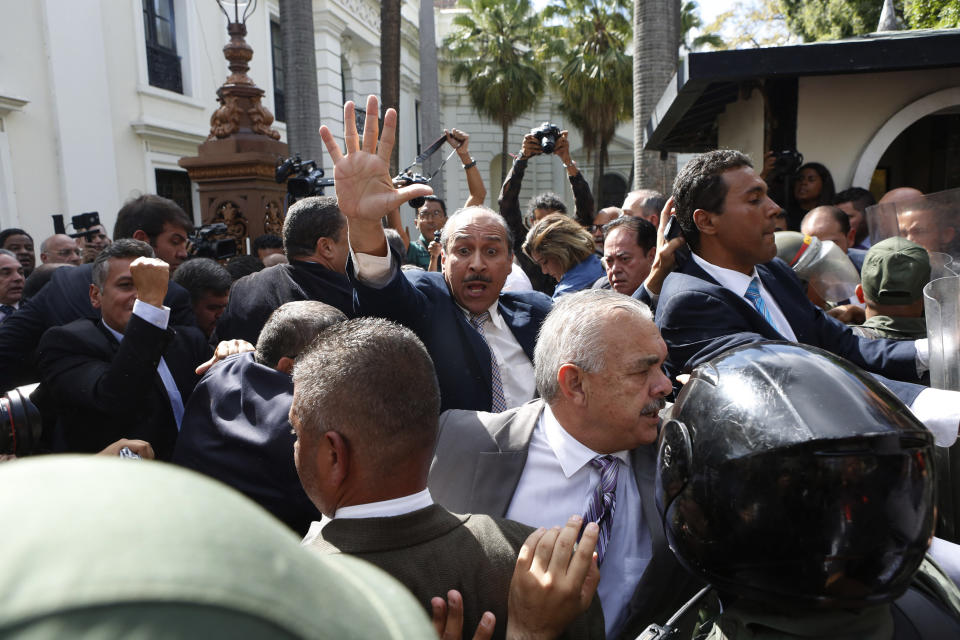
{"points": [[565, 251]]}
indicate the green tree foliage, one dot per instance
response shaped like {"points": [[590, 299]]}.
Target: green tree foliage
{"points": [[497, 50], [932, 14], [754, 23], [831, 19], [689, 21], [595, 74]]}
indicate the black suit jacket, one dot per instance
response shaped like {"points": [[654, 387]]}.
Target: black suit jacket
{"points": [[105, 391], [699, 319], [476, 468], [64, 299], [235, 429], [460, 355], [254, 297]]}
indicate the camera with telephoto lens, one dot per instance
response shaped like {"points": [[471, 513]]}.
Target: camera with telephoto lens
{"points": [[407, 178], [787, 162], [207, 244], [547, 134], [307, 178], [20, 422]]}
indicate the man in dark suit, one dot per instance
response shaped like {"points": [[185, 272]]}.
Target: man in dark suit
{"points": [[599, 373], [235, 426], [159, 222], [315, 241], [126, 375], [363, 451], [481, 340], [733, 291]]}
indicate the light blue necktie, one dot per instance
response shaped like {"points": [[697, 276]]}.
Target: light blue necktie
{"points": [[753, 295]]}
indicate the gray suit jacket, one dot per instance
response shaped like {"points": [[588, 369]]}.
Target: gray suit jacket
{"points": [[476, 468]]}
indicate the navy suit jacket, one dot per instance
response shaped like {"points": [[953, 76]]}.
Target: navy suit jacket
{"points": [[257, 295], [235, 429], [700, 319], [460, 355], [62, 300]]}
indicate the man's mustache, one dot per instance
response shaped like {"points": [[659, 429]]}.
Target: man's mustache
{"points": [[476, 277], [654, 406]]}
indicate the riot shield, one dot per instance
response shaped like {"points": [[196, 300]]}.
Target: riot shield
{"points": [[941, 299], [820, 263], [932, 221]]}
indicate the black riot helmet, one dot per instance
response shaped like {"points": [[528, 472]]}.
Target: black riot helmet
{"points": [[790, 477]]}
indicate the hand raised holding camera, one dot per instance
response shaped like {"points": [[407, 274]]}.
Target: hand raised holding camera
{"points": [[151, 277]]}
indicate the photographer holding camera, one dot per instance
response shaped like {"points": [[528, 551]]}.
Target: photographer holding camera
{"points": [[547, 138]]}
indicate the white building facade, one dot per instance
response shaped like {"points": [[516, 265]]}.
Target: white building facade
{"points": [[99, 99]]}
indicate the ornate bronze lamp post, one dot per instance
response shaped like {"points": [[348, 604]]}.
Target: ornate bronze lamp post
{"points": [[234, 168]]}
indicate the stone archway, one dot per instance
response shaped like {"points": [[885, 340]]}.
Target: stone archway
{"points": [[897, 124]]}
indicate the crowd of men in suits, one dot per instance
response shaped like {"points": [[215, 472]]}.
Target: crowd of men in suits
{"points": [[458, 432]]}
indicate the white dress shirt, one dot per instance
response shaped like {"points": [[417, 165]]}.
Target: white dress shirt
{"points": [[937, 409], [738, 282], [382, 509], [557, 482], [516, 370], [160, 318]]}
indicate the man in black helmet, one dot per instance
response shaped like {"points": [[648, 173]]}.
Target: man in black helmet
{"points": [[808, 521]]}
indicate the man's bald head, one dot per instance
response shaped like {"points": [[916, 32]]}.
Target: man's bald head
{"points": [[60, 248], [644, 203], [829, 223], [901, 194]]}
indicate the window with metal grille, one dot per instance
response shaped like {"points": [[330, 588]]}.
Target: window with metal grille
{"points": [[276, 45], [176, 186], [163, 63]]}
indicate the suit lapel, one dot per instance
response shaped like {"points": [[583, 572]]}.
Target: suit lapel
{"points": [[644, 460], [517, 316], [498, 473], [757, 322]]}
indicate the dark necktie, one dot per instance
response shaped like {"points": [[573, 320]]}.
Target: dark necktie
{"points": [[603, 501], [499, 402]]}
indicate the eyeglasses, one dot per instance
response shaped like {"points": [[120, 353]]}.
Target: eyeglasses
{"points": [[426, 215], [63, 253]]}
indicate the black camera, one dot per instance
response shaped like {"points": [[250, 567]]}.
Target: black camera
{"points": [[787, 162], [83, 225], [547, 134], [406, 178], [307, 178], [207, 244], [20, 422]]}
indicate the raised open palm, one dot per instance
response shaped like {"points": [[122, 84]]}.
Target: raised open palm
{"points": [[365, 190]]}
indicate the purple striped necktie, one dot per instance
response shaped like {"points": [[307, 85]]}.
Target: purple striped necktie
{"points": [[498, 400], [603, 501]]}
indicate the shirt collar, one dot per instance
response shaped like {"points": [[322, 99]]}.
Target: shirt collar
{"points": [[116, 334], [387, 508], [572, 454], [728, 278], [495, 316]]}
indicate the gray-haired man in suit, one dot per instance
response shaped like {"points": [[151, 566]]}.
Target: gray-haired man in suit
{"points": [[599, 371]]}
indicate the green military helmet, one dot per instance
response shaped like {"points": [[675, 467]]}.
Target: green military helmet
{"points": [[110, 548]]}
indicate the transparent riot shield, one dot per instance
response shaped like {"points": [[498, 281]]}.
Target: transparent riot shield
{"points": [[820, 263], [932, 221], [941, 299]]}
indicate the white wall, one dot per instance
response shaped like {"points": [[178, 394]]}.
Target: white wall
{"points": [[81, 129]]}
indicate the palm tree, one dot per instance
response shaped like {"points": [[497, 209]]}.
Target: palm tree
{"points": [[390, 64], [656, 25], [301, 101], [594, 79], [497, 50], [689, 20]]}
